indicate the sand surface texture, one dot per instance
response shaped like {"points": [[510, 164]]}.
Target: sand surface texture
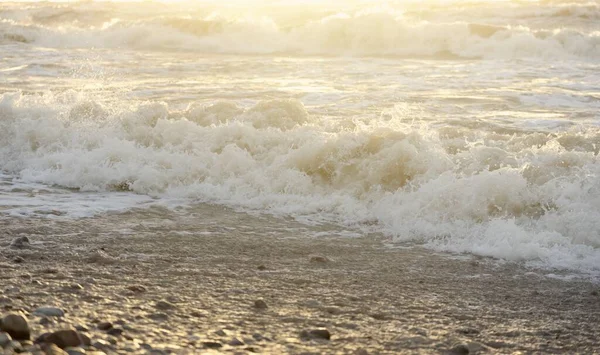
{"points": [[163, 282]]}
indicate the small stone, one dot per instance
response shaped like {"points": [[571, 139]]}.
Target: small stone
{"points": [[105, 326], [197, 314], [318, 259], [498, 344], [101, 257], [212, 344], [261, 267], [81, 328], [115, 332], [113, 341], [475, 348], [5, 339], [594, 293], [221, 333], [41, 338], [75, 287], [16, 326], [45, 321], [460, 349], [137, 288], [49, 312], [67, 338], [310, 303], [158, 316], [469, 331], [318, 333], [260, 304], [101, 344], [361, 351], [20, 243], [15, 346], [75, 351], [18, 260], [236, 342], [333, 310], [12, 289], [164, 305]]}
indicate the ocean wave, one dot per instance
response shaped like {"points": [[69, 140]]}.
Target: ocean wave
{"points": [[526, 196], [364, 33]]}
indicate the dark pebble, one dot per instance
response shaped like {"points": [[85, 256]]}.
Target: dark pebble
{"points": [[319, 333], [212, 344]]}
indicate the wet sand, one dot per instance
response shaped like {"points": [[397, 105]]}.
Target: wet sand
{"points": [[197, 284]]}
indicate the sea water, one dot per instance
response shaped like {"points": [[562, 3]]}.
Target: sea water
{"points": [[463, 126]]}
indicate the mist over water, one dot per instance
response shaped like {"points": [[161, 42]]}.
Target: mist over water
{"points": [[466, 128]]}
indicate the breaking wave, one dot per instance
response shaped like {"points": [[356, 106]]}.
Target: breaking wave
{"points": [[522, 196], [372, 32]]}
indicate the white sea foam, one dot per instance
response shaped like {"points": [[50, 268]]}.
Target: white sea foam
{"points": [[520, 196], [379, 31]]}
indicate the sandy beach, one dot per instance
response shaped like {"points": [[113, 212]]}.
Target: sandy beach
{"points": [[177, 287]]}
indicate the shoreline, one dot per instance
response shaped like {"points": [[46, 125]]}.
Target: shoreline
{"points": [[173, 285]]}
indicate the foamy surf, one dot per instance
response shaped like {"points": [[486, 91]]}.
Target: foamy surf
{"points": [[518, 195], [352, 31]]}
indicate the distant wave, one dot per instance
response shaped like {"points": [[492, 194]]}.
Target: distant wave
{"points": [[361, 34], [518, 195]]}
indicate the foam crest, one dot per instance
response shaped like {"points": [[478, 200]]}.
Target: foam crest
{"points": [[372, 32], [521, 196]]}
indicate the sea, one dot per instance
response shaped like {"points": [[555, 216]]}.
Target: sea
{"points": [[467, 127]]}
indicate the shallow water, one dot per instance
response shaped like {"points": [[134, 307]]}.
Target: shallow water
{"points": [[409, 120]]}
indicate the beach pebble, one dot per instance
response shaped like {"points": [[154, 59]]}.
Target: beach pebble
{"points": [[75, 351], [5, 339], [459, 349], [212, 344], [49, 312], [52, 349], [260, 304], [318, 333], [18, 260], [475, 347], [67, 338], [15, 346], [12, 289], [104, 326], [136, 288], [75, 287], [158, 316], [20, 242], [16, 326], [333, 310], [115, 332], [318, 259], [198, 314], [100, 257], [101, 344], [261, 267], [221, 333], [468, 331], [164, 305], [236, 342], [361, 351]]}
